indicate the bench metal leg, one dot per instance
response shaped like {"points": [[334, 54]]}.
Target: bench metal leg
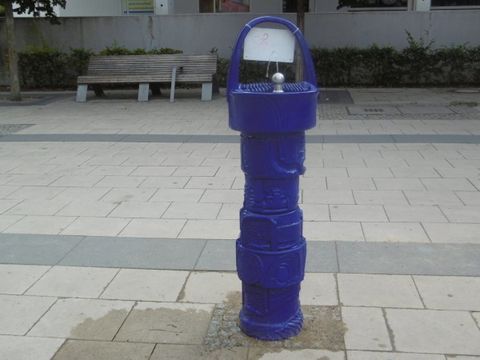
{"points": [[143, 90], [172, 84], [82, 93], [207, 89]]}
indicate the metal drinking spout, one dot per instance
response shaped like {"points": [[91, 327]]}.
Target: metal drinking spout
{"points": [[278, 79]]}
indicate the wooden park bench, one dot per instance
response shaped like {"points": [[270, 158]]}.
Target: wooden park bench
{"points": [[147, 70]]}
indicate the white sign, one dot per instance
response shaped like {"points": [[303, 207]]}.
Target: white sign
{"points": [[275, 45]]}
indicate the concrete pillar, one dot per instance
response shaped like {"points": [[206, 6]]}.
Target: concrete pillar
{"points": [[186, 7], [318, 6], [419, 5]]}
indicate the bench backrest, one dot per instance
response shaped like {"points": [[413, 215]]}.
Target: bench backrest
{"points": [[189, 67]]}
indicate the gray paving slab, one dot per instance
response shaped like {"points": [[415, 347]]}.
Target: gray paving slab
{"points": [[321, 257], [420, 259], [217, 255], [35, 249], [139, 253]]}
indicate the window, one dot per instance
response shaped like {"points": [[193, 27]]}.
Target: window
{"points": [[210, 6], [373, 3], [455, 2], [290, 6]]}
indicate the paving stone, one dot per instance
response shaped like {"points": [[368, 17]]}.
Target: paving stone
{"points": [[414, 214], [96, 226], [223, 196], [113, 170], [337, 197], [38, 207], [28, 348], [19, 313], [378, 290], [154, 171], [353, 183], [332, 231], [395, 232], [229, 212], [448, 184], [366, 329], [97, 350], [196, 352], [210, 183], [119, 195], [313, 183], [137, 209], [433, 198], [120, 181], [138, 253], [196, 171], [469, 197], [73, 282], [415, 172], [85, 319], [153, 228], [398, 184], [8, 220], [210, 229], [178, 195], [373, 213], [304, 354], [449, 292], [319, 289], [456, 357], [464, 214], [379, 197], [369, 172], [166, 323], [192, 211], [87, 208], [79, 181], [437, 332], [35, 249], [84, 193], [34, 192], [146, 285], [165, 182], [40, 225], [453, 233], [221, 286], [370, 355], [16, 279], [315, 212]]}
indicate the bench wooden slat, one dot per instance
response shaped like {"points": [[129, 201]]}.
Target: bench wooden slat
{"points": [[145, 69]]}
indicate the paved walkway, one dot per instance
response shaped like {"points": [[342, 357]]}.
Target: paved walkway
{"points": [[118, 221]]}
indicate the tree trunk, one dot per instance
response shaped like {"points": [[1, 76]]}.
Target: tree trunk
{"points": [[12, 53], [301, 26]]}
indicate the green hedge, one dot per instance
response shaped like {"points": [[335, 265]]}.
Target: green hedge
{"points": [[417, 65]]}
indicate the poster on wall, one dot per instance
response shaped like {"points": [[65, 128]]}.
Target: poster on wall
{"points": [[138, 6], [234, 6]]}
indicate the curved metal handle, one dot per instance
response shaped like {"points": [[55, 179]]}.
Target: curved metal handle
{"points": [[234, 70]]}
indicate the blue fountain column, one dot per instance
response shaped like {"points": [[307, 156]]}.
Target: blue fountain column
{"points": [[271, 250]]}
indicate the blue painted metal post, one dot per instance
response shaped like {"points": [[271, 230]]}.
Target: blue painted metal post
{"points": [[271, 250]]}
